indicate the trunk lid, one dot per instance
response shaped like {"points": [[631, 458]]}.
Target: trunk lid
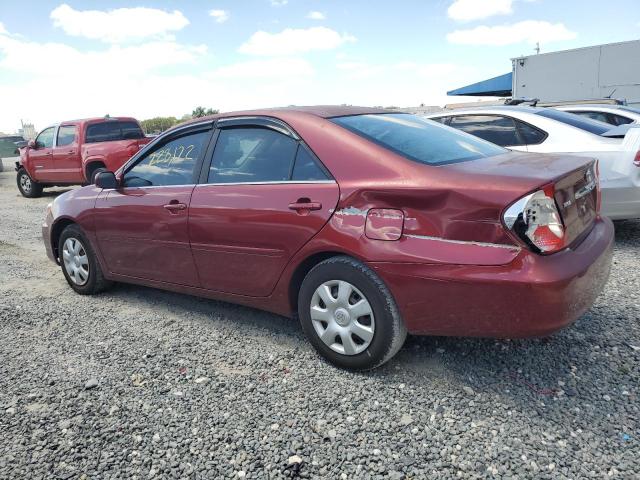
{"points": [[517, 174]]}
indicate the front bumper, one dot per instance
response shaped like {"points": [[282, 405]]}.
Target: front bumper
{"points": [[532, 296], [46, 235]]}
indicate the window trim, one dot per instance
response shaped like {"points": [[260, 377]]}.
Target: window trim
{"points": [[268, 123], [258, 121], [515, 121], [161, 141]]}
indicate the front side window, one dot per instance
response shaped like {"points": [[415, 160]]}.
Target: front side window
{"points": [[113, 130], [66, 135], [418, 138], [492, 128], [45, 139], [172, 163], [249, 155]]}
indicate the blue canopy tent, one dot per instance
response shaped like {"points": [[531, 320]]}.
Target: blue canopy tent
{"points": [[499, 86]]}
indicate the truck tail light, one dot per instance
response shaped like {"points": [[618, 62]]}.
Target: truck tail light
{"points": [[536, 221], [636, 161]]}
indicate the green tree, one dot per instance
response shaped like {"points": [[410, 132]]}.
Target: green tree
{"points": [[203, 112], [158, 124]]}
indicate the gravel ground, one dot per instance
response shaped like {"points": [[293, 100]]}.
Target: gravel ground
{"points": [[141, 383]]}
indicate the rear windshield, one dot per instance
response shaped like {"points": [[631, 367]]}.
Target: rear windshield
{"points": [[418, 138], [583, 123], [113, 130]]}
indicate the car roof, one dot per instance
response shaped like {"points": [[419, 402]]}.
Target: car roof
{"points": [[321, 111]]}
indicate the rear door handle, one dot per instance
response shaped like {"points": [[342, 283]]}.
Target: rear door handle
{"points": [[298, 206], [175, 207]]}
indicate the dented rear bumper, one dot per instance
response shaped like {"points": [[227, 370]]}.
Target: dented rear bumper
{"points": [[533, 295]]}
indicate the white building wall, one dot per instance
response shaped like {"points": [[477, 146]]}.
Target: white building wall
{"points": [[581, 74]]}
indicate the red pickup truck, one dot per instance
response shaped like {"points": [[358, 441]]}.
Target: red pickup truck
{"points": [[71, 153]]}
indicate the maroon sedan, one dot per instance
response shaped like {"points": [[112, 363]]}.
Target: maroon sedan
{"points": [[364, 223]]}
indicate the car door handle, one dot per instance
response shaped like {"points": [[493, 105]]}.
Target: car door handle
{"points": [[305, 205], [71, 152], [175, 207]]}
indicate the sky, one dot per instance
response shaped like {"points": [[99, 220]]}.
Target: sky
{"points": [[69, 59]]}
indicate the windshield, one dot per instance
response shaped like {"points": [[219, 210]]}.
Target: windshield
{"points": [[418, 138], [583, 123]]}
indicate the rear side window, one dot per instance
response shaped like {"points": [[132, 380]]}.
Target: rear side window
{"points": [[250, 155], [66, 135], [113, 130], [306, 168], [619, 119], [529, 134], [418, 138], [492, 128], [599, 116], [576, 121]]}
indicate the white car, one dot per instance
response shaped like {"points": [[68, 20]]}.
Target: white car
{"points": [[612, 114], [547, 130]]}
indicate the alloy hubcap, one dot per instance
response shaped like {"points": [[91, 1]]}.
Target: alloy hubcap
{"points": [[342, 317], [76, 262], [25, 182]]}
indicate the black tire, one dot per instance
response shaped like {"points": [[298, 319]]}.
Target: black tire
{"points": [[389, 333], [92, 171], [27, 186], [95, 283]]}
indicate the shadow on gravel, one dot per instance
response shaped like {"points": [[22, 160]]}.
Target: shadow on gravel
{"points": [[184, 305]]}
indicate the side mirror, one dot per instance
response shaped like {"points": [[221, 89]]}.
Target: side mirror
{"points": [[31, 144], [106, 180]]}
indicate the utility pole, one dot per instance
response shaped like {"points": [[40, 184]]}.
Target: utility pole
{"points": [[537, 48]]}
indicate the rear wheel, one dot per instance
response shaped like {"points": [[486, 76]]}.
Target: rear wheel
{"points": [[349, 315], [79, 264], [27, 186]]}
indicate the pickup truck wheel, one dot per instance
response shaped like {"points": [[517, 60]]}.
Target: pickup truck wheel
{"points": [[349, 315], [27, 186], [79, 263], [92, 172]]}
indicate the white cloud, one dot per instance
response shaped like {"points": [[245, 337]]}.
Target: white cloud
{"points": [[315, 15], [292, 41], [530, 31], [467, 10], [279, 3], [220, 16], [119, 25], [270, 68], [169, 78], [2, 29]]}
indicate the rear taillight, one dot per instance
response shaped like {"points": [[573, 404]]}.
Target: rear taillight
{"points": [[636, 161], [535, 220]]}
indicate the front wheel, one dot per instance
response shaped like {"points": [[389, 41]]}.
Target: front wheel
{"points": [[79, 263], [349, 315], [27, 186]]}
